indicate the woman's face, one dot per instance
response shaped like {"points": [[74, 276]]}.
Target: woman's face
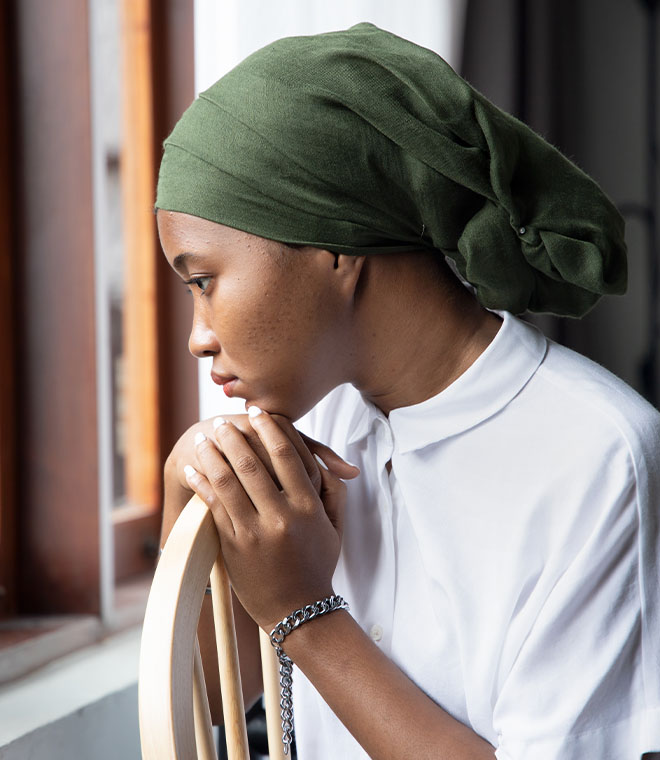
{"points": [[275, 320]]}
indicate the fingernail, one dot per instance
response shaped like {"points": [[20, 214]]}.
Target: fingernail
{"points": [[351, 464], [199, 438], [254, 411], [218, 421], [189, 471], [320, 461]]}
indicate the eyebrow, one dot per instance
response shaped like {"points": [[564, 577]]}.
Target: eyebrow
{"points": [[182, 260]]}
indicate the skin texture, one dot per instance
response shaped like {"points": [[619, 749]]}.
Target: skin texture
{"points": [[291, 324], [266, 314]]}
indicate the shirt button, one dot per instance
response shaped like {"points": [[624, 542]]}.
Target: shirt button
{"points": [[376, 633]]}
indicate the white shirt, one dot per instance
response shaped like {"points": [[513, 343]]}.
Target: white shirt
{"points": [[509, 564]]}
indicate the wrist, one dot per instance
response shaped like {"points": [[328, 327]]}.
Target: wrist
{"points": [[300, 617], [298, 603], [305, 614]]}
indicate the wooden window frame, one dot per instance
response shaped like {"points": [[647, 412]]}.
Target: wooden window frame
{"points": [[50, 561], [7, 350], [157, 45]]}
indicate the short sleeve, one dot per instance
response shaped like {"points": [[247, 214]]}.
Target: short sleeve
{"points": [[578, 687]]}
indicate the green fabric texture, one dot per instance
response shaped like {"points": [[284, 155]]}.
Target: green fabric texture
{"points": [[361, 142]]}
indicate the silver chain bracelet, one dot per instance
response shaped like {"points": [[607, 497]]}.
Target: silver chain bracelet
{"points": [[277, 636]]}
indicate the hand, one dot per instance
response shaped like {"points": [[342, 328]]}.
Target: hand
{"points": [[280, 540], [185, 452], [178, 491]]}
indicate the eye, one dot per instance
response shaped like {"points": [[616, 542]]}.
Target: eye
{"points": [[199, 282]]}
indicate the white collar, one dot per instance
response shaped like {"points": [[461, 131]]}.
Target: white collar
{"points": [[485, 388]]}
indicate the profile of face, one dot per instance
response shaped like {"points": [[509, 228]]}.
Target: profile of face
{"points": [[277, 321]]}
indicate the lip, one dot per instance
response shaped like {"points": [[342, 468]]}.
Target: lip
{"points": [[226, 381]]}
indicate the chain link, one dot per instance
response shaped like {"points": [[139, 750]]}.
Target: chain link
{"points": [[277, 636]]}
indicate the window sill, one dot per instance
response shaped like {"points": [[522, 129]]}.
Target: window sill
{"points": [[74, 702], [27, 644]]}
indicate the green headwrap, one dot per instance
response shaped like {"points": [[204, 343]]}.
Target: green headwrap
{"points": [[361, 142]]}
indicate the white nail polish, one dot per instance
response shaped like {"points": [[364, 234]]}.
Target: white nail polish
{"points": [[322, 464], [199, 438], [218, 421], [254, 411], [190, 471]]}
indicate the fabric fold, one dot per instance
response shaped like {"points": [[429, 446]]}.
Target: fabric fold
{"points": [[361, 142]]}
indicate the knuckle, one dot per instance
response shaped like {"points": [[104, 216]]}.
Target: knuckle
{"points": [[338, 490], [246, 464], [220, 479], [310, 504], [283, 450], [249, 536], [282, 528]]}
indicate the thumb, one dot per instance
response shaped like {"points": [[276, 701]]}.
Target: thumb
{"points": [[331, 460], [333, 496]]}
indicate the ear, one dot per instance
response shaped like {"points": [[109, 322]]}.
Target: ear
{"points": [[348, 270]]}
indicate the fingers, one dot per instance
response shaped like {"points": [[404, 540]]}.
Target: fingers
{"points": [[333, 496], [224, 487], [201, 486], [332, 461], [235, 458], [242, 471], [305, 454], [287, 463], [240, 421]]}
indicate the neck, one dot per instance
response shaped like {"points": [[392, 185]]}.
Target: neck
{"points": [[421, 337]]}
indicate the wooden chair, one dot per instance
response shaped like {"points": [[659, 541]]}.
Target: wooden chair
{"points": [[175, 720]]}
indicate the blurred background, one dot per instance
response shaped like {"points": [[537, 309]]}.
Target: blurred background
{"points": [[96, 384]]}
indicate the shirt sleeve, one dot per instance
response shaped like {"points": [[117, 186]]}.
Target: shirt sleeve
{"points": [[578, 687]]}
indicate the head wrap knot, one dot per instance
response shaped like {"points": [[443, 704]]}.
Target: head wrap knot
{"points": [[361, 142]]}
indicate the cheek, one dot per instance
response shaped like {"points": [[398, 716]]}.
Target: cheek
{"points": [[263, 323], [289, 321], [250, 318]]}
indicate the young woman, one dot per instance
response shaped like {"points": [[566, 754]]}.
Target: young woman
{"points": [[497, 538]]}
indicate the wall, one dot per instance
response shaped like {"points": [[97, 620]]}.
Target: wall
{"points": [[610, 143], [582, 85]]}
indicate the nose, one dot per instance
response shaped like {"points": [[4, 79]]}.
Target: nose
{"points": [[203, 340]]}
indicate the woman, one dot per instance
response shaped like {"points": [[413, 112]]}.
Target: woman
{"points": [[497, 542]]}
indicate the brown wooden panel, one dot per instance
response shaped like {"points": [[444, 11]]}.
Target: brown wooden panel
{"points": [[137, 533], [174, 90], [7, 327], [59, 516]]}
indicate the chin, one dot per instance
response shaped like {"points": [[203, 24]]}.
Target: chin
{"points": [[292, 409]]}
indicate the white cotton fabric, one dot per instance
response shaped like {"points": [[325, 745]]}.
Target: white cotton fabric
{"points": [[509, 562]]}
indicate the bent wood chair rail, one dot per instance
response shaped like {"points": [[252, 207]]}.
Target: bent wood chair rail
{"points": [[175, 720]]}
